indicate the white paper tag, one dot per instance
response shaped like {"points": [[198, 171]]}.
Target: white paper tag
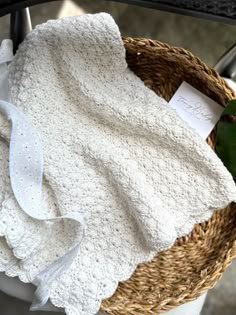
{"points": [[197, 109]]}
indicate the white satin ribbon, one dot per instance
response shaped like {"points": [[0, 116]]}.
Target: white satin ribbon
{"points": [[26, 174]]}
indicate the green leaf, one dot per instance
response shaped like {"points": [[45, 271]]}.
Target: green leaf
{"points": [[226, 139], [226, 144], [230, 109]]}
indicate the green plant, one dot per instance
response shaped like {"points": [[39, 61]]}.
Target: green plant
{"points": [[226, 138]]}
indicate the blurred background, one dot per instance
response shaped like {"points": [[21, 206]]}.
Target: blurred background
{"points": [[206, 39]]}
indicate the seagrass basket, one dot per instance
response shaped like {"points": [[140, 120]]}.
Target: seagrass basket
{"points": [[196, 262]]}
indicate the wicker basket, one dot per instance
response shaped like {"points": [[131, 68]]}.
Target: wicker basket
{"points": [[195, 263]]}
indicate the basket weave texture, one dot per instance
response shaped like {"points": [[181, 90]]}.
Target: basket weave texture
{"points": [[196, 262]]}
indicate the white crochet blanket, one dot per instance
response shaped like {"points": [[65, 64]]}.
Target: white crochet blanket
{"points": [[113, 151]]}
